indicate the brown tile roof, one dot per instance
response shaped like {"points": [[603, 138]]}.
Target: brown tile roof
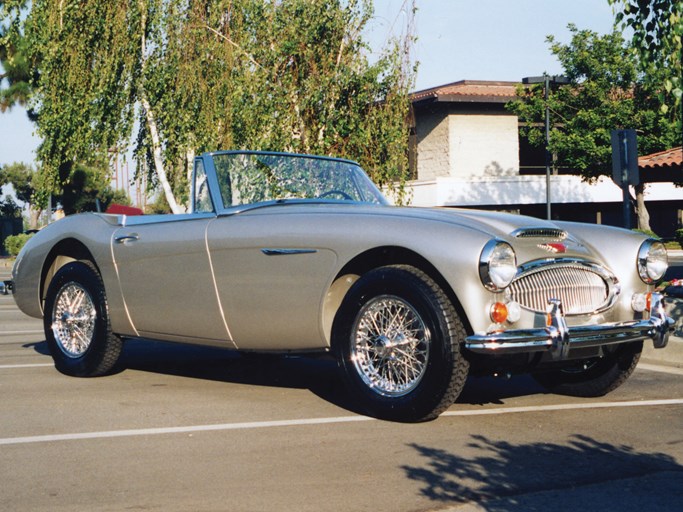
{"points": [[671, 158], [469, 91]]}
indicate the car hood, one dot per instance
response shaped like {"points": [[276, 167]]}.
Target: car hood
{"points": [[493, 223], [496, 224]]}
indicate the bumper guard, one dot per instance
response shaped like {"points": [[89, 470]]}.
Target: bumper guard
{"points": [[558, 339]]}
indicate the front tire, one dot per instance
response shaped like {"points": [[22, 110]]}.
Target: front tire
{"points": [[397, 339], [595, 377], [76, 322]]}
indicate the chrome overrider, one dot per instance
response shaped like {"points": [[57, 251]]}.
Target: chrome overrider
{"points": [[558, 339], [6, 287]]}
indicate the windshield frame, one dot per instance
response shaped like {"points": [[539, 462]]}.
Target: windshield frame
{"points": [[361, 182]]}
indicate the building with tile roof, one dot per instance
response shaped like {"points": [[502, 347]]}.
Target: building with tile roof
{"points": [[466, 151], [665, 166]]}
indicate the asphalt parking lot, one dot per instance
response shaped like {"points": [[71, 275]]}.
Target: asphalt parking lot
{"points": [[199, 429]]}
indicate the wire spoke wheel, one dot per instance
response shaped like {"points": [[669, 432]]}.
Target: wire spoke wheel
{"points": [[73, 319], [391, 348], [397, 339], [76, 322]]}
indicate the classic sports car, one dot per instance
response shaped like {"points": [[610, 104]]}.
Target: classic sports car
{"points": [[284, 252]]}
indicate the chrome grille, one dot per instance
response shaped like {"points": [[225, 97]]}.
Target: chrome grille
{"points": [[582, 288]]}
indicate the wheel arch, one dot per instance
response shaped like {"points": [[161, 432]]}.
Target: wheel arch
{"points": [[380, 257], [65, 251]]}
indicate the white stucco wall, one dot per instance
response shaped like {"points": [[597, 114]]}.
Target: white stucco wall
{"points": [[483, 145], [432, 146], [513, 190]]}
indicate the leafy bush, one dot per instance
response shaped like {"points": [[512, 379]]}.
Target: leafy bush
{"points": [[14, 243], [679, 236]]}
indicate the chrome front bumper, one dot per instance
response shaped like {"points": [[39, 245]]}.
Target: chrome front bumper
{"points": [[557, 339], [6, 287]]}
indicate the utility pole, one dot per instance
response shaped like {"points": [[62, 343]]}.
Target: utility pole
{"points": [[547, 80]]}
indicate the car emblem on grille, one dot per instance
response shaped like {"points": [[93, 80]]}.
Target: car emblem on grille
{"points": [[555, 248]]}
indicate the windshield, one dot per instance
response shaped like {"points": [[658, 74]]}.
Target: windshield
{"points": [[248, 178]]}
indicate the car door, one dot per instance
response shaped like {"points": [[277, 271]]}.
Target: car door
{"points": [[272, 277], [166, 278]]}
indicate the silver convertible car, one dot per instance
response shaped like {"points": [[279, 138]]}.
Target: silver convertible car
{"points": [[284, 252]]}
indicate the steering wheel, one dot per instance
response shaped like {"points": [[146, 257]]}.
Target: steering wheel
{"points": [[332, 192]]}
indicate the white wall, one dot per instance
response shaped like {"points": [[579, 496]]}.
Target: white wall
{"points": [[504, 190], [482, 145], [432, 146]]}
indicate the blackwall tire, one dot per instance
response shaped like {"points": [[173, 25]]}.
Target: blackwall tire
{"points": [[76, 322], [397, 338], [593, 378]]}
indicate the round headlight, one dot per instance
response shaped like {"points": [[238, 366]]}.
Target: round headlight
{"points": [[497, 265], [652, 261]]}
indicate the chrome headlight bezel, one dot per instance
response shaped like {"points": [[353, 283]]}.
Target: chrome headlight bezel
{"points": [[497, 265], [652, 261]]}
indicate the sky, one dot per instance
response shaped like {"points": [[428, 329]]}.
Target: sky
{"points": [[456, 40]]}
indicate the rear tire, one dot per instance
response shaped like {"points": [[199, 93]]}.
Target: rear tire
{"points": [[76, 322], [595, 377], [397, 339]]}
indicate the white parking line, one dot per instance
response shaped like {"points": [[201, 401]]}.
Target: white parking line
{"points": [[33, 365], [318, 421], [15, 333], [566, 407]]}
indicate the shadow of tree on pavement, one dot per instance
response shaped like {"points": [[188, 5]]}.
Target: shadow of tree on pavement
{"points": [[504, 476]]}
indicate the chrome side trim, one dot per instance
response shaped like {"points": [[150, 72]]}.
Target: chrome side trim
{"points": [[287, 252], [142, 220], [558, 339]]}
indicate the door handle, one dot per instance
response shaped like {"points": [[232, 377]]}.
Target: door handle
{"points": [[133, 237]]}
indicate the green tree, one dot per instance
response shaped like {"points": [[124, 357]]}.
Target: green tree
{"points": [[274, 74], [606, 92], [85, 57], [15, 79], [26, 183], [88, 189], [9, 209], [657, 27]]}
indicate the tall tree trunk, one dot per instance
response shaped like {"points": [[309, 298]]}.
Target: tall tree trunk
{"points": [[159, 167], [33, 216], [189, 159], [641, 209]]}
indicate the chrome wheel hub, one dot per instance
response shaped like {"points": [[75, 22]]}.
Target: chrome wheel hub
{"points": [[390, 346], [73, 319]]}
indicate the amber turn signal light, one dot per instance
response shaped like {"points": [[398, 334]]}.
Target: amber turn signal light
{"points": [[499, 312]]}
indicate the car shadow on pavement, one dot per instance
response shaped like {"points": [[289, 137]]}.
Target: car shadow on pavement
{"points": [[39, 347], [580, 474], [317, 373], [494, 390]]}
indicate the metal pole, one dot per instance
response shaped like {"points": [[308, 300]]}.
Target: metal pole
{"points": [[546, 86], [626, 196]]}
